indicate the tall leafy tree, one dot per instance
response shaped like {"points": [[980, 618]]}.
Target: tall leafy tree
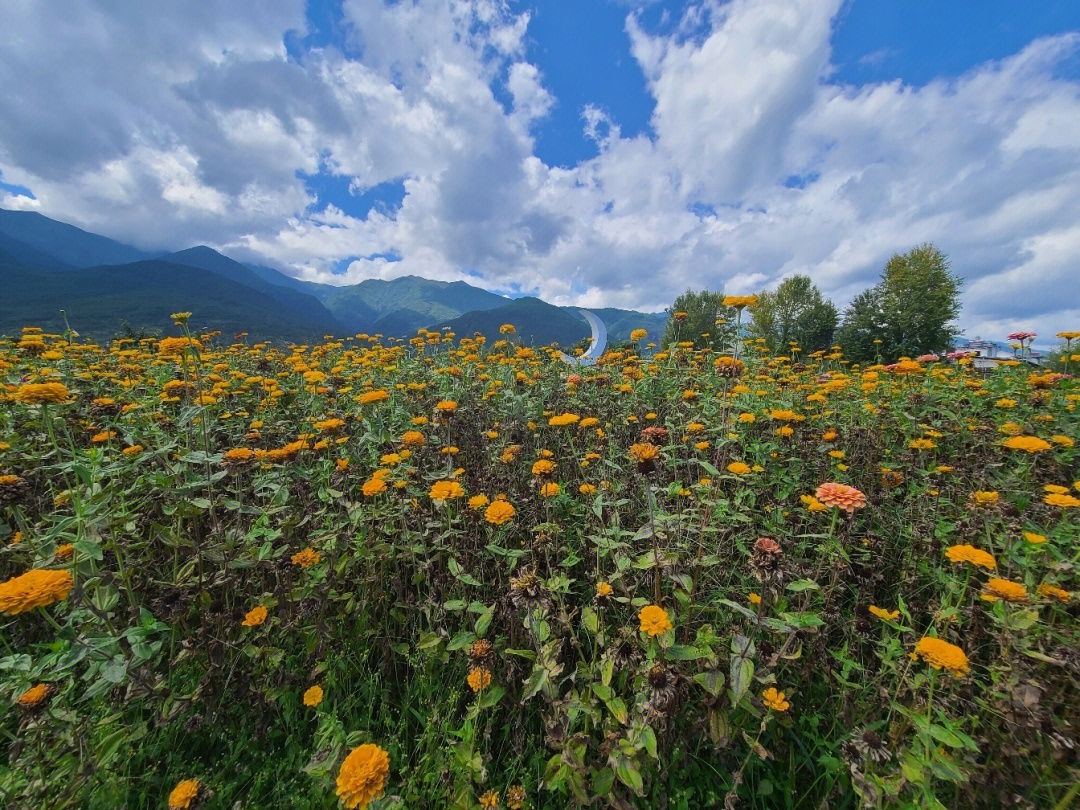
{"points": [[701, 317], [795, 312], [911, 311]]}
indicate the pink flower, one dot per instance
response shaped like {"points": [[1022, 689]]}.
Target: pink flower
{"points": [[927, 358], [1021, 336]]}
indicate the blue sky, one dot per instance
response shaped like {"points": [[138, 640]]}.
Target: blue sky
{"points": [[603, 152]]}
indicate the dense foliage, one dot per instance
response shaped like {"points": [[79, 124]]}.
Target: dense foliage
{"points": [[431, 576], [794, 313], [910, 312]]}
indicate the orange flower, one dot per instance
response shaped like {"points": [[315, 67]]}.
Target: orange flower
{"points": [[970, 554], [643, 452], [255, 617], [184, 795], [499, 512], [38, 587], [774, 699], [306, 558], [362, 777], [941, 654], [841, 495], [1004, 589], [445, 490], [313, 696], [883, 614], [479, 678], [654, 620], [35, 696]]}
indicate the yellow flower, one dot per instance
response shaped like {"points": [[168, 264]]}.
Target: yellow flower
{"points": [[38, 587], [1048, 591], [774, 699], [373, 486], [970, 554], [921, 444], [996, 589], [1062, 441], [564, 419], [254, 617], [479, 678], [738, 468], [184, 794], [754, 599], [639, 334], [306, 558], [446, 406], [550, 490], [643, 452], [445, 491], [604, 590], [740, 301], [1029, 444], [313, 696], [478, 502], [587, 489], [654, 620], [883, 614], [371, 397], [984, 499], [499, 512], [941, 654], [490, 800], [362, 777], [543, 467], [812, 504], [38, 393], [1062, 501], [1034, 539]]}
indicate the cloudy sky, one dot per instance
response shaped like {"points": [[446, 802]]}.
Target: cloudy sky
{"points": [[598, 152]]}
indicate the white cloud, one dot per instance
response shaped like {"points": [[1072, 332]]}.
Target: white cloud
{"points": [[170, 128]]}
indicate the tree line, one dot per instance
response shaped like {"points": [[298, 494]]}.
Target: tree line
{"points": [[911, 311]]}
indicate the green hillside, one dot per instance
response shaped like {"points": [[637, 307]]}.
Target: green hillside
{"points": [[537, 323], [101, 302]]}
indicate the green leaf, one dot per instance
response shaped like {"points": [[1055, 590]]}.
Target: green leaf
{"points": [[629, 775], [800, 585], [489, 697], [484, 622], [711, 681], [590, 620], [742, 673], [461, 640], [684, 652]]}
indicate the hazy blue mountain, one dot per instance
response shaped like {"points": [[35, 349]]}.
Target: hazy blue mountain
{"points": [[403, 305], [306, 307], [21, 253], [68, 244]]}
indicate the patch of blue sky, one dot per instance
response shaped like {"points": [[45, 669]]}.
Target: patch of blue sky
{"points": [[340, 191], [918, 41]]}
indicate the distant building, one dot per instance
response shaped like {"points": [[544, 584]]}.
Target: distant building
{"points": [[986, 354]]}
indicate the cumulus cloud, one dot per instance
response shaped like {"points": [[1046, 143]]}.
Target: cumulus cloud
{"points": [[165, 127]]}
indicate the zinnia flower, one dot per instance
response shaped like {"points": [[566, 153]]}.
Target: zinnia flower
{"points": [[738, 468], [490, 800], [306, 558], [515, 794], [373, 486], [371, 397], [883, 614], [1048, 591], [643, 452], [1004, 589], [774, 699], [445, 491], [499, 512], [37, 393], [654, 620], [479, 678], [550, 490], [1029, 444], [543, 467], [847, 498], [941, 654], [970, 554], [363, 774], [984, 499], [478, 502], [1034, 539], [38, 587], [313, 696], [255, 617], [184, 795], [1062, 501], [603, 590]]}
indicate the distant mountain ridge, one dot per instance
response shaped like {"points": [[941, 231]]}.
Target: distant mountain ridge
{"points": [[106, 287]]}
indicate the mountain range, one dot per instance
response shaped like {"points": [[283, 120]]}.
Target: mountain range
{"points": [[54, 275]]}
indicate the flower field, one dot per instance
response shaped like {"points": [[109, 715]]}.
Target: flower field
{"points": [[458, 573]]}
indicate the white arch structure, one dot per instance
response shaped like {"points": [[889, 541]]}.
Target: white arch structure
{"points": [[599, 342]]}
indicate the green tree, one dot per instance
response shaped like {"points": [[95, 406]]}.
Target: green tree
{"points": [[795, 312], [700, 316], [911, 311]]}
